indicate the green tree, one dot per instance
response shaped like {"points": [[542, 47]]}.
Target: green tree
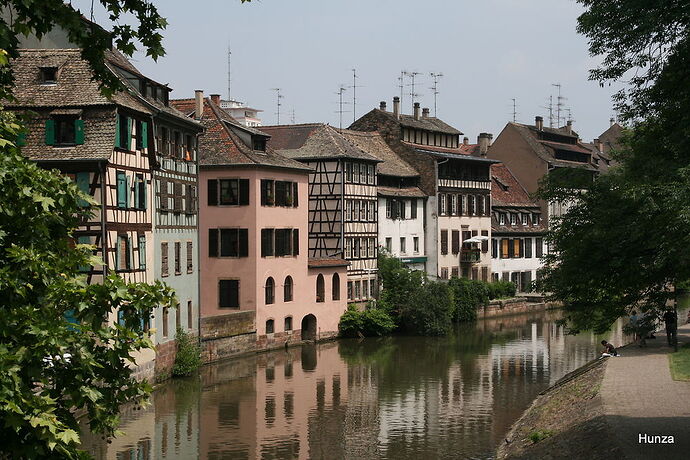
{"points": [[428, 310], [625, 241], [399, 283]]}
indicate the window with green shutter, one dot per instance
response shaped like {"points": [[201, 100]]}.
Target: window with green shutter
{"points": [[121, 189], [79, 132], [50, 132], [82, 180], [142, 252], [144, 135], [118, 143]]}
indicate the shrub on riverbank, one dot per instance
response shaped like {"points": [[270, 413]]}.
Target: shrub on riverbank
{"points": [[373, 322], [188, 357], [429, 310], [468, 295], [501, 289]]}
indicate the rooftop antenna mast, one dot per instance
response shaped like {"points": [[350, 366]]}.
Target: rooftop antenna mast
{"points": [[514, 110], [229, 75], [412, 76], [340, 111], [550, 109], [559, 102], [292, 118], [278, 103], [436, 76], [354, 94], [401, 78]]}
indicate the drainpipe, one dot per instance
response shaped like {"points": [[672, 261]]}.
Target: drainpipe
{"points": [[342, 212], [435, 240], [104, 210]]}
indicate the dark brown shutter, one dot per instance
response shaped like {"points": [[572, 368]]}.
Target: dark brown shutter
{"points": [[511, 245], [244, 192], [449, 204], [485, 243], [413, 208], [295, 242], [213, 242], [212, 192], [455, 241], [244, 242], [444, 241], [295, 189], [440, 206]]}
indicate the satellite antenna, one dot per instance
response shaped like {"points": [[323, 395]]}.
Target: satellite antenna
{"points": [[278, 104], [437, 76]]}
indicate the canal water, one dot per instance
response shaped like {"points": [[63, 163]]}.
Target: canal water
{"points": [[396, 397]]}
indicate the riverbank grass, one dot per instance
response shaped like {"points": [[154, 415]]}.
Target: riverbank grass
{"points": [[680, 363]]}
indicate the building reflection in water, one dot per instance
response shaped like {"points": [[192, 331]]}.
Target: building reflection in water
{"points": [[396, 397]]}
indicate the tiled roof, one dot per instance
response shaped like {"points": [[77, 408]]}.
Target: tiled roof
{"points": [[611, 137], [221, 146], [326, 262], [311, 142], [374, 144], [506, 190], [405, 192], [99, 137], [469, 149], [428, 124]]}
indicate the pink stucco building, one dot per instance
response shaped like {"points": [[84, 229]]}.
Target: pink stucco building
{"points": [[258, 286]]}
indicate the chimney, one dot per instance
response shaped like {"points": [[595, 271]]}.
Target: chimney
{"points": [[416, 110], [382, 105], [216, 99], [569, 127], [425, 112], [599, 145], [611, 121], [539, 123], [465, 140], [396, 107], [199, 103], [484, 141]]}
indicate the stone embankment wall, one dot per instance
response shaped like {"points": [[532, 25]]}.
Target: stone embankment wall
{"points": [[512, 306]]}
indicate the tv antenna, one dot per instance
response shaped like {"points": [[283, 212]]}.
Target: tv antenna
{"points": [[412, 76], [550, 109], [292, 117], [436, 77], [278, 103], [559, 102], [354, 94], [340, 111], [401, 79], [229, 74], [514, 110]]}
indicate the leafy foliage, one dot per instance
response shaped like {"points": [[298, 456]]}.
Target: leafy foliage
{"points": [[625, 240], [51, 368], [468, 296], [501, 289], [399, 283], [429, 309], [373, 322], [188, 356]]}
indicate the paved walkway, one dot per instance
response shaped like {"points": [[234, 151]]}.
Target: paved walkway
{"points": [[640, 397]]}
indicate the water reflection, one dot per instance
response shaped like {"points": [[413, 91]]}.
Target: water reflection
{"points": [[396, 397]]}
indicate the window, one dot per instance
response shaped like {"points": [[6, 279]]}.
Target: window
{"points": [[365, 289], [164, 259], [401, 209], [335, 287], [355, 248], [288, 323], [320, 288], [229, 293], [283, 242], [513, 219], [461, 204], [123, 130], [505, 250], [48, 75], [190, 315], [165, 141], [270, 325], [389, 245], [228, 192], [372, 247], [413, 208], [470, 205], [349, 291], [348, 248], [348, 172], [362, 174], [64, 130], [517, 248], [485, 242], [259, 143], [494, 248], [403, 249], [389, 208], [535, 218], [442, 204], [142, 252], [138, 135], [444, 242], [363, 211], [501, 218], [177, 144], [287, 289], [270, 289], [454, 272], [279, 242], [164, 195], [267, 192], [444, 273], [485, 273], [539, 250], [190, 254], [453, 204], [139, 191], [415, 244], [372, 176], [348, 210], [122, 252], [190, 199], [480, 205], [285, 193], [178, 257], [455, 241], [166, 318], [528, 248], [525, 218], [122, 190], [228, 242], [372, 287], [189, 147], [358, 289]]}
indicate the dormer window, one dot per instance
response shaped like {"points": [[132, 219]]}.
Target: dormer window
{"points": [[259, 143], [513, 219], [501, 219], [49, 75], [64, 131]]}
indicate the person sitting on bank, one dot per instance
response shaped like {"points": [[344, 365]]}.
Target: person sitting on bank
{"points": [[609, 350], [671, 321]]}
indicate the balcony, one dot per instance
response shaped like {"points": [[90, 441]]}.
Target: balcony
{"points": [[470, 256]]}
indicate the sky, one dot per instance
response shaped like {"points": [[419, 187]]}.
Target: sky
{"points": [[488, 51]]}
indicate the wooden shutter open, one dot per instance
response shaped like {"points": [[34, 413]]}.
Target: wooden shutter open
{"points": [[213, 192], [79, 132], [244, 242], [213, 242], [244, 192], [295, 242]]}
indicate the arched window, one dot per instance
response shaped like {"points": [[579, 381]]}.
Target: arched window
{"points": [[287, 289], [336, 287], [270, 291], [320, 288], [270, 326], [288, 323]]}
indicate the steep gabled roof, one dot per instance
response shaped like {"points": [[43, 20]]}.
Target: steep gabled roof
{"points": [[611, 137], [427, 124], [314, 141], [221, 146], [506, 190], [373, 144]]}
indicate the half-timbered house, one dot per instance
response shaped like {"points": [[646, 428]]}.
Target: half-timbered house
{"points": [[260, 285], [456, 178], [343, 215]]}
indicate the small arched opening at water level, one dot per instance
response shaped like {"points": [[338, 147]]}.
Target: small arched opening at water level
{"points": [[309, 327]]}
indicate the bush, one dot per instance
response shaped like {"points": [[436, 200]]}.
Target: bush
{"points": [[501, 289], [428, 311], [188, 357], [373, 322], [469, 295]]}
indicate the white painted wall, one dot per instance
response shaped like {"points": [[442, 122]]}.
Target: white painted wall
{"points": [[407, 228]]}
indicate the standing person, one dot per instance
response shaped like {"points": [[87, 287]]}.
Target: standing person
{"points": [[633, 325], [671, 320]]}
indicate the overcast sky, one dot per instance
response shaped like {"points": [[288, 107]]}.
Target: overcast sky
{"points": [[489, 52]]}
